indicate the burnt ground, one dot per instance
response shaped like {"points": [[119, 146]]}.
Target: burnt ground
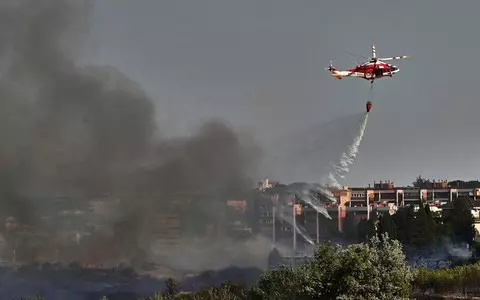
{"points": [[84, 284]]}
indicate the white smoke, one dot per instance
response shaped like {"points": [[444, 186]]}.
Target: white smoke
{"points": [[461, 251]]}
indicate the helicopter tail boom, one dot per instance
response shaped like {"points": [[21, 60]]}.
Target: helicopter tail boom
{"points": [[339, 74]]}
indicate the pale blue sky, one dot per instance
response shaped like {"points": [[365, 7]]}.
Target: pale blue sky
{"points": [[260, 65]]}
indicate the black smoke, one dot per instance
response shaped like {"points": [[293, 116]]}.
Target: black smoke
{"points": [[83, 131]]}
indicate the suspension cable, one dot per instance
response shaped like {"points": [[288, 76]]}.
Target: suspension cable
{"points": [[370, 96]]}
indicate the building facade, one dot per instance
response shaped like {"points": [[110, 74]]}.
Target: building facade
{"points": [[361, 202]]}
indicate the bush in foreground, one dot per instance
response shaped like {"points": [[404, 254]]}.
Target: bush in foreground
{"points": [[372, 270]]}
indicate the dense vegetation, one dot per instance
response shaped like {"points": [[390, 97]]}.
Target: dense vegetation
{"points": [[463, 279], [420, 230]]}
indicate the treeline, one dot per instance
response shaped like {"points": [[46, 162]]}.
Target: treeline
{"points": [[421, 182], [419, 229]]}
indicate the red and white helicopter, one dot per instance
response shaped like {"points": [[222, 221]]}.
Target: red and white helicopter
{"points": [[375, 68]]}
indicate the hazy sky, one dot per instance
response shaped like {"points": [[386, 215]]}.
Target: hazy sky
{"points": [[260, 64]]}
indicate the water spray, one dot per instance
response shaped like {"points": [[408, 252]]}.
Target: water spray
{"points": [[313, 194], [299, 229], [348, 157]]}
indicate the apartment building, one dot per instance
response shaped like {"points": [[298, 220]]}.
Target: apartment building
{"points": [[361, 202]]}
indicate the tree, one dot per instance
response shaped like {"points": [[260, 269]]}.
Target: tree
{"points": [[350, 228], [325, 267], [401, 219], [171, 288], [420, 182], [431, 225], [367, 229], [372, 270], [395, 276], [283, 284], [227, 290], [423, 234], [387, 225], [461, 221], [362, 229], [274, 258]]}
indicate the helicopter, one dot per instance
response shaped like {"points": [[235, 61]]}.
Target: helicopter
{"points": [[375, 68]]}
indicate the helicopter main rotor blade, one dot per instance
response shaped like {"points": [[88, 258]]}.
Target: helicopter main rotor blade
{"points": [[395, 57]]}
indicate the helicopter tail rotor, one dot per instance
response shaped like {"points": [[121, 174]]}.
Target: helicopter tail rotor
{"points": [[331, 68]]}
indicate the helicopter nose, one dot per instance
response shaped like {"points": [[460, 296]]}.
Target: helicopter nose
{"points": [[395, 69]]}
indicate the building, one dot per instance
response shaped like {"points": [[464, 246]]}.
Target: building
{"points": [[362, 202], [385, 196], [266, 184], [238, 219], [198, 217]]}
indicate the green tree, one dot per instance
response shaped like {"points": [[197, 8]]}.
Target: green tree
{"points": [[324, 270], [402, 224], [372, 270], [395, 276], [350, 228], [461, 221], [431, 225], [362, 229], [367, 229], [387, 225], [226, 291], [283, 284], [423, 234], [420, 182]]}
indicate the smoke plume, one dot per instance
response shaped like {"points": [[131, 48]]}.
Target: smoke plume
{"points": [[83, 131]]}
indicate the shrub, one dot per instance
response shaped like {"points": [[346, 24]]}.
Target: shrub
{"points": [[464, 279], [372, 270]]}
